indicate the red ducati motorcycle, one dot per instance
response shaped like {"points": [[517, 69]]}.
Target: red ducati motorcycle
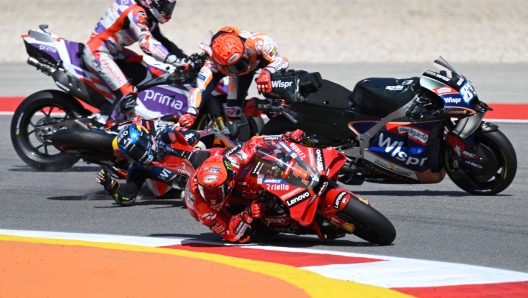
{"points": [[299, 186]]}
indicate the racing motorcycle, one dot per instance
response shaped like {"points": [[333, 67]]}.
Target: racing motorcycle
{"points": [[85, 99], [298, 186], [94, 146], [398, 130]]}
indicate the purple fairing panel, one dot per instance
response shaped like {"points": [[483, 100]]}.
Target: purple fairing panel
{"points": [[73, 52], [49, 50], [164, 101]]}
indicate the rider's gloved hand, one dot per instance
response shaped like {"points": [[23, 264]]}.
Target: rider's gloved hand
{"points": [[232, 110], [244, 239], [105, 179], [187, 120], [296, 136], [264, 81], [256, 210], [128, 102], [186, 63]]}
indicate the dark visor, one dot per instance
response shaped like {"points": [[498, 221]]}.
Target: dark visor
{"points": [[167, 8], [137, 152], [239, 67]]}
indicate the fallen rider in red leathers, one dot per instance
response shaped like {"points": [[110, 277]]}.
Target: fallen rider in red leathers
{"points": [[211, 184]]}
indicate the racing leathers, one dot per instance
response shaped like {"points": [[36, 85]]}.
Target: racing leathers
{"points": [[125, 194], [233, 227], [263, 53], [123, 24]]}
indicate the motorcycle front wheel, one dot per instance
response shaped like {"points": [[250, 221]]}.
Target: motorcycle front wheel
{"points": [[369, 223], [31, 143], [495, 176]]}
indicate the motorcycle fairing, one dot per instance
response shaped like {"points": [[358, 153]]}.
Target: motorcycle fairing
{"points": [[77, 80], [163, 100], [403, 146], [454, 102], [282, 171], [400, 154], [332, 161]]}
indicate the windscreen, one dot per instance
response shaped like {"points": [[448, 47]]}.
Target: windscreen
{"points": [[275, 162]]}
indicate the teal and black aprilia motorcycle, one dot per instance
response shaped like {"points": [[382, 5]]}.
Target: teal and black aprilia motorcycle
{"points": [[398, 130]]}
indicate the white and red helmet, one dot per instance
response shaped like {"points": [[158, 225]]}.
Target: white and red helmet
{"points": [[160, 9], [215, 180]]}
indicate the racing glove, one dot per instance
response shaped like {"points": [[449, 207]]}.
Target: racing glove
{"points": [[185, 63], [264, 81], [296, 136], [187, 120], [128, 102], [105, 179], [257, 209]]}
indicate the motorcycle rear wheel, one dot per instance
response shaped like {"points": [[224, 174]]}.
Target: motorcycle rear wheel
{"points": [[41, 108], [506, 159], [369, 223]]}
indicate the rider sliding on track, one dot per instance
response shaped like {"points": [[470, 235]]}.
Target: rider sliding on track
{"points": [[237, 54], [123, 24], [210, 186], [144, 146]]}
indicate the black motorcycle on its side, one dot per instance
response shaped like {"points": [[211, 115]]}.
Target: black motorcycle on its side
{"points": [[398, 130]]}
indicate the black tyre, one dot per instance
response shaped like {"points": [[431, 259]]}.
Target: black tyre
{"points": [[42, 108], [78, 142], [369, 223], [495, 176]]}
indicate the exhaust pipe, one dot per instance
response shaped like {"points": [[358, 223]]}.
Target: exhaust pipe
{"points": [[45, 68]]}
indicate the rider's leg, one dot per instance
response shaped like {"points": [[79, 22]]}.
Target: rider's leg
{"points": [[236, 95], [102, 63]]}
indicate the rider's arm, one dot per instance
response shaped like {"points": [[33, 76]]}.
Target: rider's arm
{"points": [[242, 155], [269, 52], [138, 24], [171, 47], [206, 82], [230, 227]]}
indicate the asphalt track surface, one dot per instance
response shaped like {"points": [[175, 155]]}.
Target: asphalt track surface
{"points": [[434, 222]]}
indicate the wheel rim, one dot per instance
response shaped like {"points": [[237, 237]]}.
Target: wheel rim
{"points": [[494, 179], [33, 137]]}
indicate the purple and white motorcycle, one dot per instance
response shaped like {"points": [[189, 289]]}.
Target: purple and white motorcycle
{"points": [[84, 100]]}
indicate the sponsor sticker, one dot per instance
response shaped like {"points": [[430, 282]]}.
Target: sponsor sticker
{"points": [[209, 179], [298, 198], [452, 100], [394, 88]]}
